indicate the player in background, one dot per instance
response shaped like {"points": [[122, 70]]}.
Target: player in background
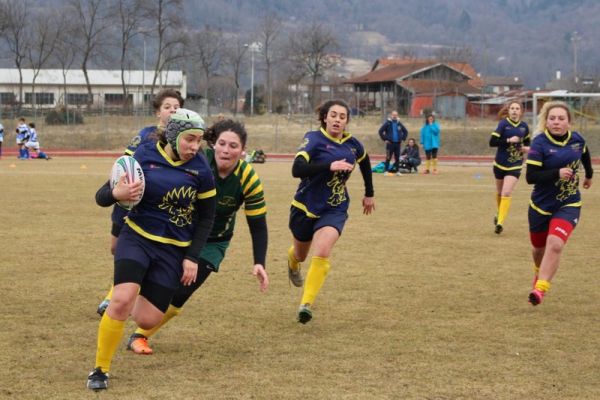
{"points": [[33, 144], [159, 244], [237, 184], [22, 137], [165, 103], [319, 209], [554, 161], [512, 140]]}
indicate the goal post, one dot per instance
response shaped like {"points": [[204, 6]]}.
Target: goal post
{"points": [[585, 108]]}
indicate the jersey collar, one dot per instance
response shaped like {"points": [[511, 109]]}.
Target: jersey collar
{"points": [[164, 154], [513, 123], [557, 142], [345, 136]]}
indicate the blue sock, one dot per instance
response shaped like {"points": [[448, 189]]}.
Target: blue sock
{"points": [[26, 153]]}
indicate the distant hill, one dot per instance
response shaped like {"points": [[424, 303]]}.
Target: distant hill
{"points": [[527, 38]]}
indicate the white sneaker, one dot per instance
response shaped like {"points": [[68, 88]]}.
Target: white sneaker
{"points": [[398, 174]]}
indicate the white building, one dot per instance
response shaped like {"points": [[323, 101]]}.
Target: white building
{"points": [[52, 87]]}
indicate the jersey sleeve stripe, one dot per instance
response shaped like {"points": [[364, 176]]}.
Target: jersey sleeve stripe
{"points": [[255, 213], [361, 157], [495, 134], [208, 194], [303, 154], [532, 162]]}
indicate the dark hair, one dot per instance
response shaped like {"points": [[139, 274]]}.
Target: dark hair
{"points": [[163, 94], [427, 117], [323, 109], [503, 113], [32, 125], [211, 135]]}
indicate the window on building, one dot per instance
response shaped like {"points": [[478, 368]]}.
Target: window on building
{"points": [[7, 98], [40, 98], [117, 99], [77, 98]]}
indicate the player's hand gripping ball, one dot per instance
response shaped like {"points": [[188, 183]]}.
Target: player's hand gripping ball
{"points": [[127, 165]]}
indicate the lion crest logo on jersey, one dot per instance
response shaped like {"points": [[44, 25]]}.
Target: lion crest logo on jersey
{"points": [[179, 204]]}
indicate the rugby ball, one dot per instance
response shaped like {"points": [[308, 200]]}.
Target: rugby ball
{"points": [[127, 165]]}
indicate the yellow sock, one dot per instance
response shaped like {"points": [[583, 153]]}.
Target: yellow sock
{"points": [[294, 265], [503, 209], [427, 164], [536, 270], [109, 294], [110, 333], [171, 312], [317, 272], [542, 286], [434, 163]]}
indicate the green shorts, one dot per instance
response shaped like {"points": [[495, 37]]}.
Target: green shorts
{"points": [[213, 254]]}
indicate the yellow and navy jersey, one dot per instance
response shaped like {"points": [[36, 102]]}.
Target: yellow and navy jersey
{"points": [[509, 156], [241, 187], [148, 134], [166, 212], [548, 153], [326, 191]]}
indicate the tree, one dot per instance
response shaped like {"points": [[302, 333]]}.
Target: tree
{"points": [[311, 50], [208, 51], [233, 58], [44, 39], [165, 17], [15, 13], [88, 26], [129, 27], [270, 29]]}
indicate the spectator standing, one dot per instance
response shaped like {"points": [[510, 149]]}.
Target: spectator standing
{"points": [[430, 140], [393, 133]]}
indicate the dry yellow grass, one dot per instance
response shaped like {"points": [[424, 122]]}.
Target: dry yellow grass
{"points": [[423, 300]]}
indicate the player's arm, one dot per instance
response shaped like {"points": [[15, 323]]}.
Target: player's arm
{"points": [[104, 197], [204, 217], [537, 174], [367, 174], [303, 169], [260, 238]]}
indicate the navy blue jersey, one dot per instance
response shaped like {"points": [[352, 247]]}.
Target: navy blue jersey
{"points": [[148, 134], [326, 191], [548, 153], [509, 156], [166, 211]]}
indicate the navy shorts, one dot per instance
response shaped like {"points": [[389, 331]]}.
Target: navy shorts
{"points": [[501, 173], [303, 227], [541, 223], [162, 262]]}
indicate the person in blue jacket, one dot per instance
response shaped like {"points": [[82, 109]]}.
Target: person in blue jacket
{"points": [[430, 140], [393, 133]]}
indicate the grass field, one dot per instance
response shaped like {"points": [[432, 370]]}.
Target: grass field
{"points": [[423, 300]]}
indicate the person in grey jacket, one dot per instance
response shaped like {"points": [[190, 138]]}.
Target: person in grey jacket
{"points": [[410, 157], [393, 133]]}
